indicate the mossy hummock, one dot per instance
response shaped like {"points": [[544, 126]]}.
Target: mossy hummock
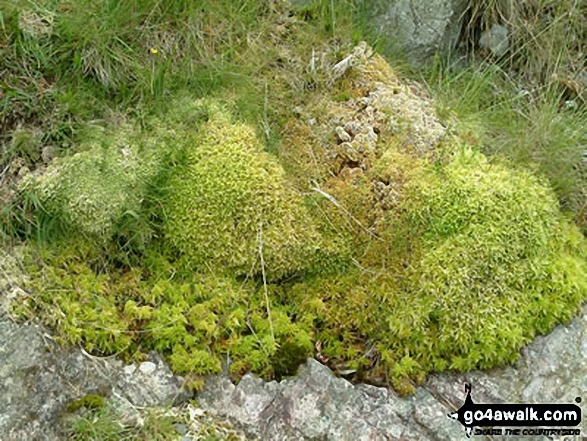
{"points": [[414, 265]]}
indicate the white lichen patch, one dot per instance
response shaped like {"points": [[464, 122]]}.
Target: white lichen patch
{"points": [[389, 104]]}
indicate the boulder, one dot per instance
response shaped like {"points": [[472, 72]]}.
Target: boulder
{"points": [[415, 28]]}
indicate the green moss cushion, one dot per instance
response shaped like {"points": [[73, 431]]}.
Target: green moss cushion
{"points": [[232, 201]]}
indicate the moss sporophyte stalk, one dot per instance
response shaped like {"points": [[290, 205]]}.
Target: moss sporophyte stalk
{"points": [[402, 253]]}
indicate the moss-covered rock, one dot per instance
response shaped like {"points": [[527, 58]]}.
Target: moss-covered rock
{"points": [[487, 263], [490, 276], [196, 321]]}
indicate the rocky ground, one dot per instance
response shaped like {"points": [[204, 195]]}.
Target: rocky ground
{"points": [[39, 381]]}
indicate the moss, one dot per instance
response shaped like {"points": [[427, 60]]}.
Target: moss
{"points": [[92, 189], [457, 264], [196, 322], [493, 242], [89, 402], [106, 188], [487, 263], [231, 199]]}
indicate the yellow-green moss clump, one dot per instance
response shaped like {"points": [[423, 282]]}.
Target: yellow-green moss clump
{"points": [[101, 190], [232, 203], [196, 322]]}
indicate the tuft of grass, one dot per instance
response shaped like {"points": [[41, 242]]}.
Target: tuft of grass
{"points": [[547, 39], [103, 424]]}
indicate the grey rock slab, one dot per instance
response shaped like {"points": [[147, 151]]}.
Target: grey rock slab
{"points": [[317, 405], [496, 40], [417, 28], [38, 381], [151, 384]]}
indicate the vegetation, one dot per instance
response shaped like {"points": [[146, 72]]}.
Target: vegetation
{"points": [[232, 205], [103, 424], [223, 196], [528, 107]]}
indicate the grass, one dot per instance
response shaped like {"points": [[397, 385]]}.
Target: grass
{"points": [[547, 38], [103, 424]]}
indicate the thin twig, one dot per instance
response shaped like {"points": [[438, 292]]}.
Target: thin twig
{"points": [[265, 278], [345, 211]]}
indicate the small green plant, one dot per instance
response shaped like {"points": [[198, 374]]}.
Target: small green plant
{"points": [[89, 402]]}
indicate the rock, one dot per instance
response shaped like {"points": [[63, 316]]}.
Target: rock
{"points": [[496, 40], [152, 384], [48, 154], [38, 381], [317, 405], [147, 367], [182, 429], [417, 28], [342, 135], [314, 405]]}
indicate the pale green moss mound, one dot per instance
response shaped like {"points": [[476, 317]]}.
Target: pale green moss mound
{"points": [[91, 190], [232, 203]]}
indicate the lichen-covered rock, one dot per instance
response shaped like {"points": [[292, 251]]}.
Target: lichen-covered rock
{"points": [[317, 405], [418, 29], [368, 108], [150, 383]]}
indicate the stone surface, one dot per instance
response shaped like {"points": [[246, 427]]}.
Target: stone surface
{"points": [[496, 40], [418, 28], [317, 405]]}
